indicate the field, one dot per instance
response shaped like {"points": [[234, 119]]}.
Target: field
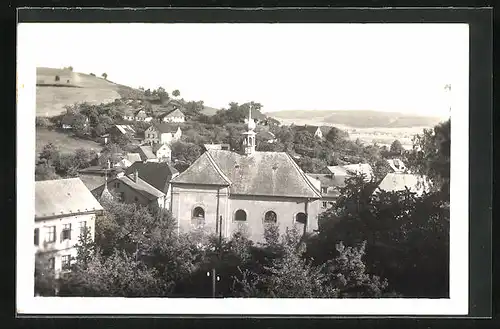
{"points": [[64, 141], [380, 135], [52, 96]]}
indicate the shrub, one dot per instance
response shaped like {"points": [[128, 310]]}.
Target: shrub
{"points": [[57, 78], [42, 122]]}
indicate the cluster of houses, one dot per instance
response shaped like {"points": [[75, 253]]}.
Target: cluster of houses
{"points": [[222, 191]]}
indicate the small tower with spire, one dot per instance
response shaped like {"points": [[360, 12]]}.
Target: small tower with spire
{"points": [[249, 141], [105, 192]]}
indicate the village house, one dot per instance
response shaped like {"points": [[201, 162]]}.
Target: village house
{"points": [[163, 152], [397, 166], [141, 115], [162, 133], [129, 113], [313, 130], [68, 121], [350, 170], [329, 186], [397, 182], [267, 137], [224, 191], [128, 160], [146, 153], [175, 115], [64, 209], [225, 147], [158, 175], [132, 189]]}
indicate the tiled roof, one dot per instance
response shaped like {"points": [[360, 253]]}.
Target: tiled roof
{"points": [[352, 169], [125, 129], [63, 197], [148, 191], [134, 157], [155, 174], [262, 173], [165, 127], [92, 181], [394, 182], [145, 152], [396, 165], [175, 113], [332, 182], [216, 146]]}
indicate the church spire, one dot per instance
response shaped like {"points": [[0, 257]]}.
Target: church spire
{"points": [[105, 192], [249, 142]]}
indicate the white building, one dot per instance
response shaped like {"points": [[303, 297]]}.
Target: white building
{"points": [[63, 210], [174, 116], [162, 133]]}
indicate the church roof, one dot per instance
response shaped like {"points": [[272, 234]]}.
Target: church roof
{"points": [[262, 173], [157, 174]]}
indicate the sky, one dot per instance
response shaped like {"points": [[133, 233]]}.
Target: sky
{"points": [[384, 67]]}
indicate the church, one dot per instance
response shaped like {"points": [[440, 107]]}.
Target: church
{"points": [[228, 191]]}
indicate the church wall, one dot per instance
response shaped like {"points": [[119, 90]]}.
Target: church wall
{"points": [[256, 207]]}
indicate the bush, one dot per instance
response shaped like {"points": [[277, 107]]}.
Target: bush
{"points": [[57, 78], [42, 122]]}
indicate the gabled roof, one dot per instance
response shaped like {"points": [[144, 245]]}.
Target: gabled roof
{"points": [[352, 169], [397, 165], [394, 182], [165, 127], [145, 152], [203, 171], [141, 113], [262, 173], [125, 129], [155, 174], [142, 187], [311, 129], [174, 113], [134, 157], [158, 146], [216, 146], [63, 197], [267, 135], [332, 182]]}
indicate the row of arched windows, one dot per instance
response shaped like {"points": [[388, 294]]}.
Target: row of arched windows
{"points": [[241, 216]]}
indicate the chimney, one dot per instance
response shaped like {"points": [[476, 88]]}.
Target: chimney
{"points": [[136, 176]]}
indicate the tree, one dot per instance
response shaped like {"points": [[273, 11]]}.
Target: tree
{"points": [[163, 94], [185, 152], [336, 136], [147, 92], [105, 76], [50, 154], [42, 122], [45, 282], [44, 171], [57, 78], [380, 169], [176, 93], [92, 74], [396, 147]]}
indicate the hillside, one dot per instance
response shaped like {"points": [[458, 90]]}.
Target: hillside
{"points": [[355, 119], [73, 87]]}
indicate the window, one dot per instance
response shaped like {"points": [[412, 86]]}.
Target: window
{"points": [[324, 189], [51, 263], [65, 262], [324, 204], [198, 216], [122, 196], [83, 227], [66, 232], [301, 218], [270, 217], [37, 236], [240, 215], [117, 184], [50, 234]]}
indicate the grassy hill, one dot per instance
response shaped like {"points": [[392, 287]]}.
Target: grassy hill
{"points": [[356, 119], [73, 87], [209, 111]]}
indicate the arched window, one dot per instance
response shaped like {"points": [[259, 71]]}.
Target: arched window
{"points": [[198, 216], [270, 217], [240, 215], [301, 218]]}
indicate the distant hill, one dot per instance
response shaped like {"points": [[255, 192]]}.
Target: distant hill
{"points": [[209, 111], [73, 87], [356, 119]]}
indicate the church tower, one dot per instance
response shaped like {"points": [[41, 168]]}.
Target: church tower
{"points": [[249, 141]]}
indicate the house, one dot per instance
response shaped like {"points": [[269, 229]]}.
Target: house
{"points": [[68, 120], [395, 182], [329, 186], [224, 191], [128, 160], [397, 166], [163, 152], [314, 130], [212, 146], [64, 209], [162, 133], [141, 115], [146, 153], [268, 137], [132, 189], [122, 130], [129, 113], [158, 175], [175, 115], [352, 170]]}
